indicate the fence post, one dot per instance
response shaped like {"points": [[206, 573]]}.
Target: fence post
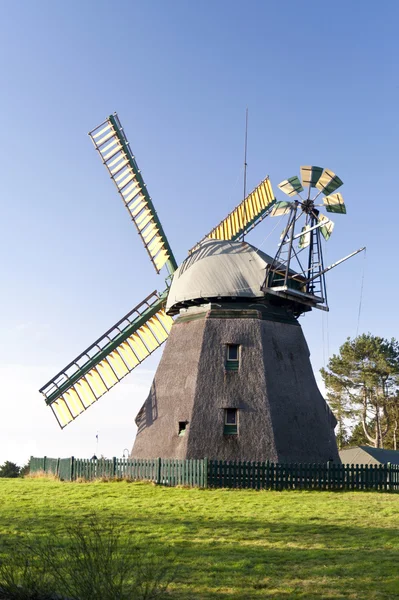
{"points": [[72, 469], [205, 463], [328, 486], [388, 475], [44, 463], [159, 465], [113, 466]]}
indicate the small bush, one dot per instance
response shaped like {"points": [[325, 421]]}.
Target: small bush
{"points": [[25, 470], [23, 576], [88, 562], [9, 469]]}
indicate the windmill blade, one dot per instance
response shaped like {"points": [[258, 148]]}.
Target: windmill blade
{"points": [[281, 208], [335, 204], [245, 216], [291, 186], [328, 182], [108, 360], [327, 226], [110, 141], [304, 239], [310, 175]]}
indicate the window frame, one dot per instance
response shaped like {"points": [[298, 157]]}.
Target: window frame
{"points": [[230, 428], [182, 428], [237, 346], [226, 410], [232, 364]]}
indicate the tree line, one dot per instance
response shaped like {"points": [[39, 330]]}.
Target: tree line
{"points": [[11, 469], [362, 383]]}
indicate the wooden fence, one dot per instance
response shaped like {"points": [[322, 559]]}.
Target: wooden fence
{"points": [[226, 474]]}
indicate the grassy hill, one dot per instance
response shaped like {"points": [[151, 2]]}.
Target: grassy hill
{"points": [[228, 544]]}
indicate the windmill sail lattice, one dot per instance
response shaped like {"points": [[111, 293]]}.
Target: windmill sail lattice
{"points": [[255, 207], [110, 358], [111, 143]]}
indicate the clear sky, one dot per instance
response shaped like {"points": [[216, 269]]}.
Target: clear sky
{"points": [[320, 80]]}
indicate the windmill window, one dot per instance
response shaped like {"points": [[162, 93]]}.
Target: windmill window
{"points": [[182, 427], [230, 421], [232, 357]]}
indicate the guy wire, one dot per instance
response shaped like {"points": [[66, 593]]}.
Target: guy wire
{"points": [[361, 294]]}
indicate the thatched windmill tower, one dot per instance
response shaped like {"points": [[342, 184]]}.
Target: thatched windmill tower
{"points": [[235, 379]]}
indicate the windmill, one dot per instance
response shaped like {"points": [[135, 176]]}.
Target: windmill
{"points": [[234, 380]]}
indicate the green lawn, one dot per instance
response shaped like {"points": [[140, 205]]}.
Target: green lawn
{"points": [[231, 544]]}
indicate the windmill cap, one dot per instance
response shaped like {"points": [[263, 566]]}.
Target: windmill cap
{"points": [[218, 269]]}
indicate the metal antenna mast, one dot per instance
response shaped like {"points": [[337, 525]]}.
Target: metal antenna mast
{"points": [[245, 167]]}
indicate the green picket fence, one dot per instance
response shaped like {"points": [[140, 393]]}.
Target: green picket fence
{"points": [[225, 474], [328, 476]]}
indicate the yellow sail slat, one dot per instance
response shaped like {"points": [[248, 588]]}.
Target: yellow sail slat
{"points": [[263, 195], [161, 258], [111, 153], [107, 373], [150, 231], [118, 163], [96, 383], [85, 392], [157, 329], [134, 187], [112, 144], [73, 402], [117, 364], [236, 220], [103, 130], [138, 346], [142, 216], [144, 219], [229, 228], [106, 137], [138, 205], [62, 412], [155, 245], [252, 206], [127, 170], [165, 319], [128, 195], [128, 178], [128, 355], [148, 337]]}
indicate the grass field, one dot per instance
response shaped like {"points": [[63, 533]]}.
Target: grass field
{"points": [[230, 544]]}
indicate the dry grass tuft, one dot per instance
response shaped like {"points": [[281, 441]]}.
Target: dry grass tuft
{"points": [[42, 475]]}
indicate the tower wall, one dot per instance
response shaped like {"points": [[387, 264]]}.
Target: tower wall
{"points": [[282, 416]]}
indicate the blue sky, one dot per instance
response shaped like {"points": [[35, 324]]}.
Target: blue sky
{"points": [[320, 81]]}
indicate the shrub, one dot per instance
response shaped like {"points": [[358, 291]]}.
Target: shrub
{"points": [[9, 469], [89, 562], [25, 470]]}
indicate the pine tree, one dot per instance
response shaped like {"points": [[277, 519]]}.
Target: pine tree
{"points": [[363, 379], [9, 469]]}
